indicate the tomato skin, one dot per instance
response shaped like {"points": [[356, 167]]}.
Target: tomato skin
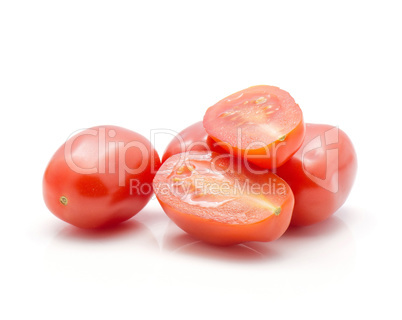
{"points": [[192, 138], [217, 230], [277, 145], [94, 176], [316, 201], [222, 234]]}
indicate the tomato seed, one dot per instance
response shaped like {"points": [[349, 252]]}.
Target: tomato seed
{"points": [[261, 100]]}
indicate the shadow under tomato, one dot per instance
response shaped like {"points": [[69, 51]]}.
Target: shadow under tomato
{"points": [[177, 241], [328, 247], [106, 255], [124, 229], [130, 233], [324, 228], [327, 235]]}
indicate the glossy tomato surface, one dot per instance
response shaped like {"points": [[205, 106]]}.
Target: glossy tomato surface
{"points": [[262, 124], [214, 199], [101, 176], [192, 138], [321, 174]]}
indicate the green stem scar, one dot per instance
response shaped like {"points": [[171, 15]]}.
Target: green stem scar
{"points": [[277, 211], [63, 200]]}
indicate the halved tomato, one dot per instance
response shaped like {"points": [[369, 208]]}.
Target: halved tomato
{"points": [[262, 124], [215, 199]]}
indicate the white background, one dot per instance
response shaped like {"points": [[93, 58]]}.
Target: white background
{"points": [[67, 65]]}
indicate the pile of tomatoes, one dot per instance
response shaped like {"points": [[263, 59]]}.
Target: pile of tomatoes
{"points": [[250, 169]]}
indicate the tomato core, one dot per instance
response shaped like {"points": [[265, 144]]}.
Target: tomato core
{"points": [[63, 200]]}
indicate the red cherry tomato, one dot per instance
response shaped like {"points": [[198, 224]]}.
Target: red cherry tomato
{"points": [[193, 138], [321, 173], [215, 199], [263, 124], [100, 177]]}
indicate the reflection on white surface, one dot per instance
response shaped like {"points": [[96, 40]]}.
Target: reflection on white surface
{"points": [[314, 256], [152, 251], [108, 255]]}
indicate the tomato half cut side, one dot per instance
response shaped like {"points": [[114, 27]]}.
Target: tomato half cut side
{"points": [[217, 200], [263, 124]]}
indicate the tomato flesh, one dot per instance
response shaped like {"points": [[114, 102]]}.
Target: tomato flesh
{"points": [[100, 177], [262, 123], [321, 173], [214, 198]]}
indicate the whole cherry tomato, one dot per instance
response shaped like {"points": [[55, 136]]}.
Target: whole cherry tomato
{"points": [[321, 173], [100, 177], [192, 138], [216, 199], [262, 124]]}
